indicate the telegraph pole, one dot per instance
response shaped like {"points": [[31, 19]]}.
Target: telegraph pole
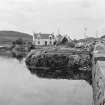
{"points": [[96, 34], [85, 32]]}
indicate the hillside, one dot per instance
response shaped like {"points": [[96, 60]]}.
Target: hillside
{"points": [[88, 39], [6, 37]]}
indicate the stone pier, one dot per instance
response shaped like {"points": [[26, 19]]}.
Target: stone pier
{"points": [[98, 75]]}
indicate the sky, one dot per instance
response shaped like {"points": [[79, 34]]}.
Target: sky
{"points": [[59, 16]]}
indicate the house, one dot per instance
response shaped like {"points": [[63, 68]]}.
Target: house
{"points": [[43, 39]]}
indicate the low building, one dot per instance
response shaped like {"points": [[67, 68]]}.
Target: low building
{"points": [[42, 39]]}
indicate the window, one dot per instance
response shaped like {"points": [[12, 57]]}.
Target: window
{"points": [[45, 43], [38, 37], [50, 43], [38, 42], [50, 37]]}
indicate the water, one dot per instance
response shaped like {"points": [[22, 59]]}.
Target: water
{"points": [[19, 87]]}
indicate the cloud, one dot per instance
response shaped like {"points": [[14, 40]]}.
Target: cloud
{"points": [[86, 4], [45, 15]]}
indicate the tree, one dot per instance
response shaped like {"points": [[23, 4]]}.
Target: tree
{"points": [[19, 41], [71, 44], [64, 41], [75, 41]]}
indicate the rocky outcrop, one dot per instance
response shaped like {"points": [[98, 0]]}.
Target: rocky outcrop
{"points": [[47, 60], [60, 65]]}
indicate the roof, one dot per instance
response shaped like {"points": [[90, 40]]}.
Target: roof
{"points": [[43, 35]]}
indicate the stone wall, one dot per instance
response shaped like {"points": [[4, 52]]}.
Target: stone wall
{"points": [[98, 78]]}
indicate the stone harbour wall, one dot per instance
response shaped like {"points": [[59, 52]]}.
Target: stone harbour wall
{"points": [[98, 83]]}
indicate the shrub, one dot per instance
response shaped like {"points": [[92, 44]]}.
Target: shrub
{"points": [[71, 44]]}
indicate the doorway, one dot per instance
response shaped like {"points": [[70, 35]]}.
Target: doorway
{"points": [[45, 43]]}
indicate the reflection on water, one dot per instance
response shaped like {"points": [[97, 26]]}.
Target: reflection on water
{"points": [[19, 87], [64, 73]]}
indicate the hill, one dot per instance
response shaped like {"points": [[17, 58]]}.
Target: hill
{"points": [[7, 37], [88, 39]]}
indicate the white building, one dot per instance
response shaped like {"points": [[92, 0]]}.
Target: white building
{"points": [[43, 39]]}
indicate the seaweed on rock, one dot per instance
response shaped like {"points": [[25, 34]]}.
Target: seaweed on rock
{"points": [[60, 66]]}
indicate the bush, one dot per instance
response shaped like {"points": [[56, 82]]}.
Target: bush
{"points": [[71, 44], [19, 41]]}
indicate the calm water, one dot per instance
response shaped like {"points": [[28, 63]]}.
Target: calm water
{"points": [[19, 87]]}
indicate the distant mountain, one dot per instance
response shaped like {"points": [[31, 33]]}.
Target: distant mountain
{"points": [[88, 39], [6, 37]]}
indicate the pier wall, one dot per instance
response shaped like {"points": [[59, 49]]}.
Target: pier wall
{"points": [[98, 78], [98, 83]]}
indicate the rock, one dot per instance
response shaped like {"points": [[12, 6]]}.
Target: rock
{"points": [[56, 65]]}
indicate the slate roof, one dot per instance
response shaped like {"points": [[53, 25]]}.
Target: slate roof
{"points": [[43, 35]]}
